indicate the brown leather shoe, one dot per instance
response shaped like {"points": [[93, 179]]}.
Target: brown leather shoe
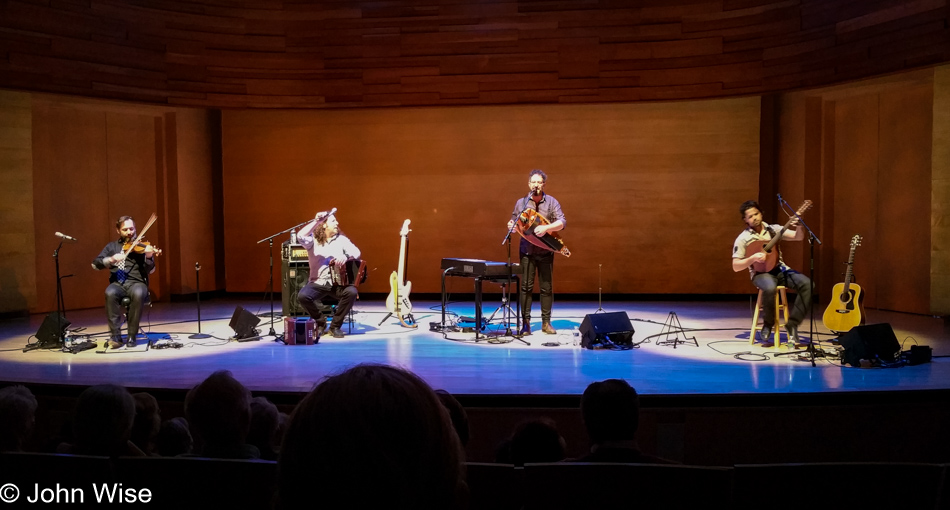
{"points": [[526, 329], [548, 328], [114, 344]]}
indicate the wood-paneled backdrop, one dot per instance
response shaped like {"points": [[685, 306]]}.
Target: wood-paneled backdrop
{"points": [[354, 53], [649, 190]]}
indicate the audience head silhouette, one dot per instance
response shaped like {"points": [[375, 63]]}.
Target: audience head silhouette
{"points": [[373, 436], [17, 417], [611, 411], [173, 438], [103, 422], [456, 413], [219, 412], [265, 421], [147, 421], [537, 441]]}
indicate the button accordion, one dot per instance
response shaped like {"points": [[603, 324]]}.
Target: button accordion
{"points": [[348, 272]]}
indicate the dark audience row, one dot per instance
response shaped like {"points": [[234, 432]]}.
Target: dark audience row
{"points": [[370, 422]]}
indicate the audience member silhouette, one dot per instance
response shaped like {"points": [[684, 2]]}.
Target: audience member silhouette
{"points": [[611, 412], [103, 423], [147, 422], [533, 441], [17, 417], [371, 437], [174, 438], [456, 414], [219, 412], [265, 422]]}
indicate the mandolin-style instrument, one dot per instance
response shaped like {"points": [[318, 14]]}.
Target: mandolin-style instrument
{"points": [[771, 254]]}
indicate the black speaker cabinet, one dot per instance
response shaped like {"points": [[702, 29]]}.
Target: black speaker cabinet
{"points": [[606, 330], [243, 323], [873, 342], [52, 332], [293, 276]]}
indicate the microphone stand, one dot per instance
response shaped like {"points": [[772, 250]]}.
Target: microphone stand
{"points": [[270, 274], [600, 289], [199, 334], [812, 239], [507, 242]]}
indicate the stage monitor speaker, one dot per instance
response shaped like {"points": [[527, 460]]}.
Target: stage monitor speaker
{"points": [[293, 276], [611, 329], [52, 332], [243, 323], [873, 342]]}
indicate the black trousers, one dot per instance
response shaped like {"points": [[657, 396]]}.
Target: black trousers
{"points": [[543, 265], [791, 279], [311, 295], [134, 290]]}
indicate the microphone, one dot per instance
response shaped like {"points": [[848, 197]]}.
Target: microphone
{"points": [[780, 197], [332, 212], [197, 267], [66, 237]]}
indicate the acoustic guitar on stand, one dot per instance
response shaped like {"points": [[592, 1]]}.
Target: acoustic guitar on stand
{"points": [[397, 303], [771, 254], [844, 310]]}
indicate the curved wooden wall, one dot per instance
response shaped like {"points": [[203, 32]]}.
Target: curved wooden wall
{"points": [[448, 52]]}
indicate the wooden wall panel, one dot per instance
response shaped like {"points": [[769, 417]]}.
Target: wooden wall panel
{"points": [[196, 199], [875, 141], [904, 175], [649, 191], [335, 54], [857, 159], [940, 195], [17, 248], [95, 161], [71, 195]]}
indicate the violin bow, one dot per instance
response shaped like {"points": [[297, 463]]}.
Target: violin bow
{"points": [[151, 221]]}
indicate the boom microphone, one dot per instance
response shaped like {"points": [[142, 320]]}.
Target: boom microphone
{"points": [[66, 237]]}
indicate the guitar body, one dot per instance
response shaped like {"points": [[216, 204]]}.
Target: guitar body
{"points": [[397, 303], [844, 311], [771, 257]]}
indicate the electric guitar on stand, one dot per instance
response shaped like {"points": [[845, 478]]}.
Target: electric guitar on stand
{"points": [[397, 303], [844, 310]]}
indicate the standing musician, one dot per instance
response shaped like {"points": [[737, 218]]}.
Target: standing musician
{"points": [[780, 275], [326, 245], [128, 277], [535, 258]]}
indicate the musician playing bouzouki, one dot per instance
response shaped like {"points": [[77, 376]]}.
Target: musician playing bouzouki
{"points": [[325, 243], [745, 258], [535, 258]]}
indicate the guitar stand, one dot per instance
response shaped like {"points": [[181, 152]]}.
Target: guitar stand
{"points": [[672, 326], [406, 320]]}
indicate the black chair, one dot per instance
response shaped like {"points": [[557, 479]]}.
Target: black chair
{"points": [[328, 306], [193, 482], [126, 303], [573, 485], [494, 486], [25, 470], [839, 485]]}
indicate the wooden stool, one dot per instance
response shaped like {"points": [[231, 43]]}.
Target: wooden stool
{"points": [[781, 316]]}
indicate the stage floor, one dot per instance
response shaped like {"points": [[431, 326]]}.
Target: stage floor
{"points": [[721, 363]]}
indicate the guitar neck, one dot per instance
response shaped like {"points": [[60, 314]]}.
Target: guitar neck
{"points": [[402, 260]]}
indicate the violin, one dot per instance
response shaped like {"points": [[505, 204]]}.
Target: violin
{"points": [[139, 247]]}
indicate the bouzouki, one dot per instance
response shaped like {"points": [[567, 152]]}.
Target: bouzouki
{"points": [[844, 310], [531, 219], [397, 303], [768, 247]]}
